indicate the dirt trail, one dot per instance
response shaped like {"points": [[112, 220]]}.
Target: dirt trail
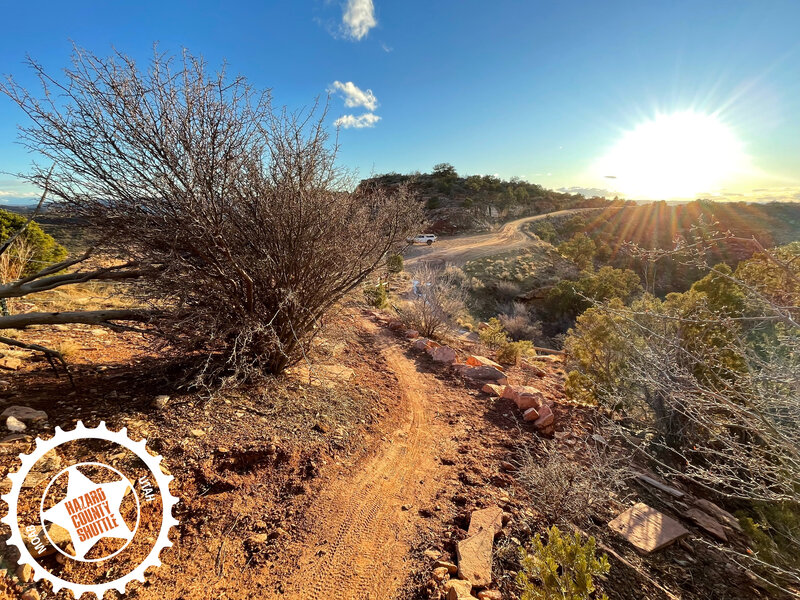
{"points": [[359, 545], [461, 249]]}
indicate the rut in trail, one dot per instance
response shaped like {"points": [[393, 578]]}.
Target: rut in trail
{"points": [[358, 547]]}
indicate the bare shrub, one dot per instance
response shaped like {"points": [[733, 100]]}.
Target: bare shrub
{"points": [[519, 323], [436, 301], [570, 490], [232, 212]]}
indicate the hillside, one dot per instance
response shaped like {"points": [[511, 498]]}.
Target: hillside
{"points": [[455, 203]]}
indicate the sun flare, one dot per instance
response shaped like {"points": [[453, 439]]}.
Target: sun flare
{"points": [[678, 155]]}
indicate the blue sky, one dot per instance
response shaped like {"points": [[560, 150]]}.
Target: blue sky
{"points": [[540, 90]]}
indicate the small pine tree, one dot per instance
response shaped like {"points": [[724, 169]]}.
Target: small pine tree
{"points": [[494, 334], [394, 264], [562, 569]]}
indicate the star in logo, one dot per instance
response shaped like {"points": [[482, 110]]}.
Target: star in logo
{"points": [[90, 511]]}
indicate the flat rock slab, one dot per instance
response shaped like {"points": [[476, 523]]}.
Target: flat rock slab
{"points": [[475, 558], [722, 515], [479, 361], [707, 523], [486, 518], [24, 413], [492, 389], [486, 373], [647, 529]]}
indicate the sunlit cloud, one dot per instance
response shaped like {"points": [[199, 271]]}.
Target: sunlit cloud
{"points": [[354, 96], [357, 122], [358, 18]]}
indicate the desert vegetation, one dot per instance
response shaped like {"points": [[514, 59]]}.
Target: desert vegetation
{"points": [[230, 213]]}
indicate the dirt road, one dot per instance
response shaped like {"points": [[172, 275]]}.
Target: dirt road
{"points": [[460, 249], [366, 521]]}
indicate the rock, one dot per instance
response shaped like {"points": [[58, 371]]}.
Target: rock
{"points": [[197, 432], [479, 361], [546, 417], [647, 529], [440, 574], [396, 325], [161, 401], [490, 595], [10, 363], [59, 536], [432, 554], [49, 463], [456, 589], [451, 568], [722, 515], [24, 573], [257, 539], [492, 389], [13, 438], [475, 558], [444, 354], [507, 466], [486, 373], [30, 595], [99, 332], [486, 518], [24, 413], [530, 414], [707, 523], [524, 396], [15, 425], [411, 334]]}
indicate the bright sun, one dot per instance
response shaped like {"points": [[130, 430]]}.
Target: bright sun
{"points": [[679, 155]]}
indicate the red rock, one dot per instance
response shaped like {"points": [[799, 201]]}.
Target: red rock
{"points": [[444, 354], [647, 529], [411, 334], [720, 514], [396, 325], [490, 595], [707, 523], [475, 558], [492, 389], [486, 518], [530, 414], [456, 589], [481, 361], [546, 417]]}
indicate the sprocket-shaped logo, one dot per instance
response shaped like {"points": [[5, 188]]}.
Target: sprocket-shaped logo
{"points": [[90, 510]]}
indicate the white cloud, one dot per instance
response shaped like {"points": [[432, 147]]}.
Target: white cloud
{"points": [[358, 18], [354, 95], [358, 122]]}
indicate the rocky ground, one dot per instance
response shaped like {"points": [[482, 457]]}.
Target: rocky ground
{"points": [[380, 469]]}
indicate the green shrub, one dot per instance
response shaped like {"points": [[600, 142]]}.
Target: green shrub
{"points": [[376, 295], [493, 335], [42, 247], [561, 569], [394, 264], [512, 352]]}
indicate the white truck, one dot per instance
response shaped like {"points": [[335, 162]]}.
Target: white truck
{"points": [[422, 238]]}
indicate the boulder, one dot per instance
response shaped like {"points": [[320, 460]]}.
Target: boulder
{"points": [[24, 414], [490, 595], [444, 354], [456, 589], [475, 558], [411, 334], [524, 396], [647, 529], [421, 344], [486, 373], [707, 523], [486, 518], [396, 325], [15, 425], [546, 417], [492, 389], [480, 361], [530, 414]]}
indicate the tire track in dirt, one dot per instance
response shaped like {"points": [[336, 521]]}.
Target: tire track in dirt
{"points": [[358, 547]]}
